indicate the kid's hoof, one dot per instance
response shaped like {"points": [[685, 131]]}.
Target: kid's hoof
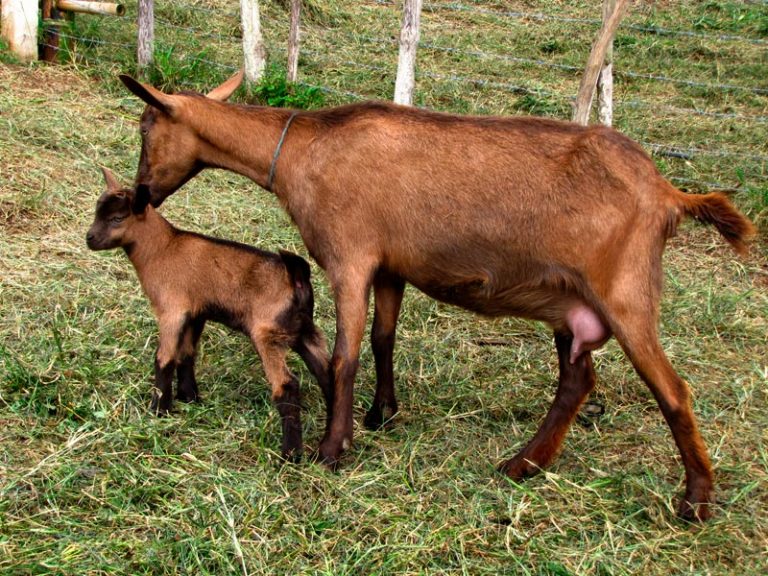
{"points": [[160, 405], [187, 397], [158, 410], [292, 456]]}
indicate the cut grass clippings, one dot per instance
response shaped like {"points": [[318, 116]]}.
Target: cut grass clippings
{"points": [[91, 483]]}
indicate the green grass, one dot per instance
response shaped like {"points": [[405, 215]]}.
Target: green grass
{"points": [[90, 483]]}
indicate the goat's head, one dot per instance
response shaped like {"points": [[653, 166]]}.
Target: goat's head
{"points": [[169, 146], [116, 211]]}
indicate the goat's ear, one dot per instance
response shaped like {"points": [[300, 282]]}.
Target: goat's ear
{"points": [[140, 199], [149, 94], [225, 90], [110, 180]]}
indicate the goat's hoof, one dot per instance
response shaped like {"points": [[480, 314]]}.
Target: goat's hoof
{"points": [[377, 418], [695, 507], [519, 468], [330, 465], [188, 398], [329, 453], [292, 455], [158, 409]]}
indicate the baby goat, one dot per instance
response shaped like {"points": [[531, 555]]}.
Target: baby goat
{"points": [[190, 279]]}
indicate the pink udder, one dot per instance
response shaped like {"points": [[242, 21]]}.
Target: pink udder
{"points": [[589, 331]]}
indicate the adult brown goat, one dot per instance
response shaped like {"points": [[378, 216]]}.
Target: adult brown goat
{"points": [[191, 279], [518, 216]]}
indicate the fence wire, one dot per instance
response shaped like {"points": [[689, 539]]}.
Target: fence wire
{"points": [[170, 24], [534, 16]]}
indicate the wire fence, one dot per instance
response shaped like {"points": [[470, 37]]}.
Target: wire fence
{"points": [[534, 16], [660, 108]]}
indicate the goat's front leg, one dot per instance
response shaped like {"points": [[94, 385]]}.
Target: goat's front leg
{"points": [[576, 382], [388, 295], [351, 295], [166, 361]]}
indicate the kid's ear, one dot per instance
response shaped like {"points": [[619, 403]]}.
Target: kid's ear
{"points": [[150, 95], [140, 199]]}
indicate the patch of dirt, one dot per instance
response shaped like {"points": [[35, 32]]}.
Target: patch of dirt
{"points": [[44, 80]]}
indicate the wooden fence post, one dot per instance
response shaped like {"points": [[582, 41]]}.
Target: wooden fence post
{"points": [[605, 79], [145, 48], [595, 63], [409, 40], [19, 27], [49, 37], [254, 52], [293, 41]]}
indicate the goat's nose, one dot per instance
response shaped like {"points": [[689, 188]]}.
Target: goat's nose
{"points": [[89, 238]]}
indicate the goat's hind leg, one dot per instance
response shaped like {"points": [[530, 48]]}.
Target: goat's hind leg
{"points": [[637, 334], [576, 381], [285, 394], [388, 295]]}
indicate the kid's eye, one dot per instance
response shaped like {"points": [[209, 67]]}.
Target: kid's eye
{"points": [[116, 219]]}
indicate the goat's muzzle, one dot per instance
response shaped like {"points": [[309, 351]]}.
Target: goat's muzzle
{"points": [[95, 241]]}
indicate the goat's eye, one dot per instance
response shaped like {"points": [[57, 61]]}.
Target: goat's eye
{"points": [[116, 219], [144, 130]]}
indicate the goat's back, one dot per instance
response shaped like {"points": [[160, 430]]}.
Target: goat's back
{"points": [[433, 192], [500, 215], [226, 281]]}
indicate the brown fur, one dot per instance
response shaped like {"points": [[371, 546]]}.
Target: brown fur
{"points": [[191, 279], [528, 217]]}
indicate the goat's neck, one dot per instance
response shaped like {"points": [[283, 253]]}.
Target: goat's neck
{"points": [[242, 139], [147, 242]]}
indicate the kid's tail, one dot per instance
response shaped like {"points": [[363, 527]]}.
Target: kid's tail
{"points": [[299, 272]]}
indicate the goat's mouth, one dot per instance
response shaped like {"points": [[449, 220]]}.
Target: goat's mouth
{"points": [[94, 242]]}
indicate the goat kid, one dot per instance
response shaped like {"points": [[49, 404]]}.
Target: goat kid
{"points": [[191, 279], [517, 216]]}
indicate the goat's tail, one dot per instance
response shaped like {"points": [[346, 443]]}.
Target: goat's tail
{"points": [[299, 272], [715, 208]]}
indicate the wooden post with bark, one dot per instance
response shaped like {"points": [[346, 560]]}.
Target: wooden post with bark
{"points": [[52, 21], [409, 40], [605, 79], [293, 41], [595, 64], [145, 47], [54, 13], [254, 52], [19, 27]]}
